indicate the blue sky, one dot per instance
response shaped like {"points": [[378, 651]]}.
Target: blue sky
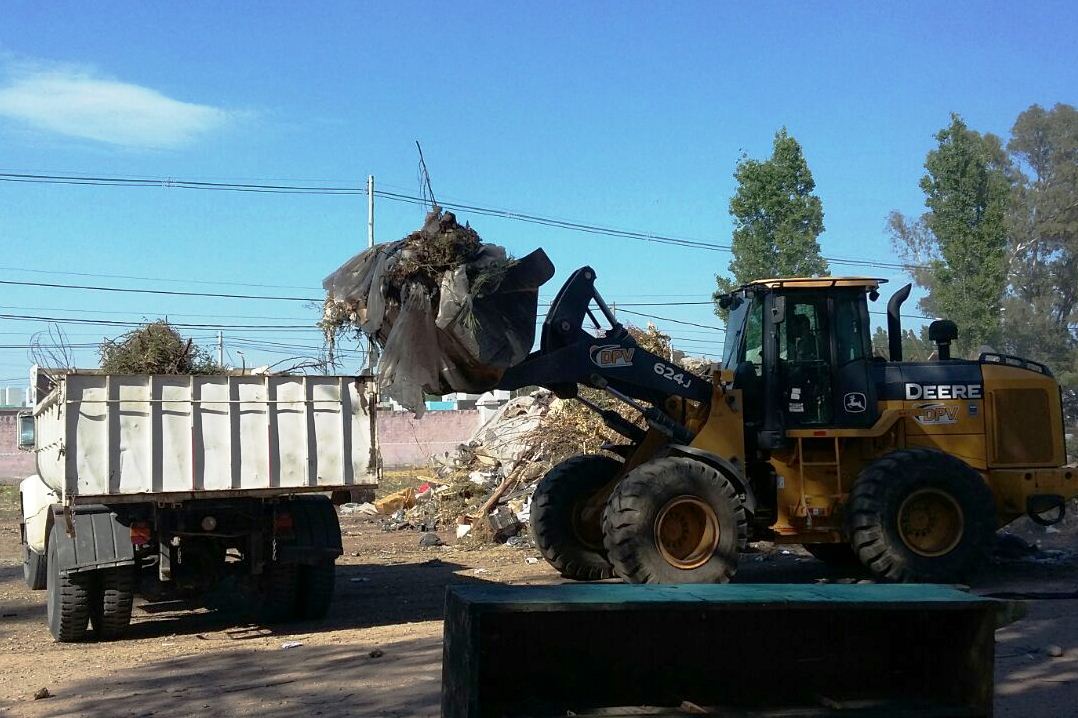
{"points": [[629, 115]]}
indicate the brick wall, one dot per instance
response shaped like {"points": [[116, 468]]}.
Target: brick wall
{"points": [[407, 441], [14, 464]]}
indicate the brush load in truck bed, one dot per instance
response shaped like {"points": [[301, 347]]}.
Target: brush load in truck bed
{"points": [[449, 313]]}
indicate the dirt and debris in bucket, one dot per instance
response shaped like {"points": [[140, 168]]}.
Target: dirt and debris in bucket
{"points": [[448, 312]]}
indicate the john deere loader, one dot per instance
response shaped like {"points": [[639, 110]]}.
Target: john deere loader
{"points": [[800, 436]]}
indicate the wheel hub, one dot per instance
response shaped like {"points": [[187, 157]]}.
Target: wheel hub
{"points": [[930, 522], [687, 532]]}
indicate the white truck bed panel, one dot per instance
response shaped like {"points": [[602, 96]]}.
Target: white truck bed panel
{"points": [[125, 436]]}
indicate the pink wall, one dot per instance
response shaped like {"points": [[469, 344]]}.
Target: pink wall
{"points": [[14, 464], [407, 441]]}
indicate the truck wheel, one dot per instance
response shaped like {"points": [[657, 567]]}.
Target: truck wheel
{"points": [[68, 599], [279, 582], [315, 591], [568, 542], [921, 515], [111, 614], [839, 555], [34, 571], [674, 520]]}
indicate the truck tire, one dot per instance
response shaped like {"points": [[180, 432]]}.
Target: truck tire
{"points": [[34, 571], [315, 591], [111, 614], [574, 549], [279, 583], [921, 515], [674, 520], [68, 599], [839, 555]]}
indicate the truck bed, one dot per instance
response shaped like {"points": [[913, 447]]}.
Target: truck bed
{"points": [[132, 437]]}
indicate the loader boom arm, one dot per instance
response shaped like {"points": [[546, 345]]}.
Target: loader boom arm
{"points": [[569, 356]]}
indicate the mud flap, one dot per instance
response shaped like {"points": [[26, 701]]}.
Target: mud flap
{"points": [[99, 540]]}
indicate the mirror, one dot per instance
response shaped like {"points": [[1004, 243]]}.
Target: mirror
{"points": [[26, 432], [778, 310]]}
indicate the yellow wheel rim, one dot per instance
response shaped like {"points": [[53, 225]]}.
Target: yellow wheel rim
{"points": [[687, 532], [930, 522]]}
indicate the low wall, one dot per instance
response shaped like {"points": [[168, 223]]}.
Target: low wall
{"points": [[407, 441], [14, 464]]}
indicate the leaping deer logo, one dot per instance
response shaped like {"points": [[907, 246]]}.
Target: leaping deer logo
{"points": [[855, 402]]}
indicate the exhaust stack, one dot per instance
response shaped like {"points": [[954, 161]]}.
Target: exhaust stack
{"points": [[894, 322]]}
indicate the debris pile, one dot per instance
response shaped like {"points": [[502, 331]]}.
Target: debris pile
{"points": [[484, 490], [449, 312]]}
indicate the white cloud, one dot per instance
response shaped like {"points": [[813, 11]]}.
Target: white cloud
{"points": [[80, 103]]}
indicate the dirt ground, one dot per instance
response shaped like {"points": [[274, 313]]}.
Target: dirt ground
{"points": [[379, 652]]}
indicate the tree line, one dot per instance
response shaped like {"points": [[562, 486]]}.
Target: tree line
{"points": [[995, 251]]}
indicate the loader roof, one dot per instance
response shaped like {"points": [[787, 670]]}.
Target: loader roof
{"points": [[869, 283]]}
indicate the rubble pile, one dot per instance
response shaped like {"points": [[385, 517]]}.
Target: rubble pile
{"points": [[449, 312], [484, 489]]}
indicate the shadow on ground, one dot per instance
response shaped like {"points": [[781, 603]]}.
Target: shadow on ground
{"points": [[334, 680]]}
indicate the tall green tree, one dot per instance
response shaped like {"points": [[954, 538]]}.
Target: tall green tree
{"points": [[957, 250], [1041, 317], [777, 218]]}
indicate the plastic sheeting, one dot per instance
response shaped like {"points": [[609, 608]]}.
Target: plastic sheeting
{"points": [[445, 327]]}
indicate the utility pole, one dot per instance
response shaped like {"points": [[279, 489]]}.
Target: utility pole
{"points": [[220, 348], [370, 244]]}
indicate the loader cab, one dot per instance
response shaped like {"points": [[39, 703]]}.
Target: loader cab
{"points": [[800, 350]]}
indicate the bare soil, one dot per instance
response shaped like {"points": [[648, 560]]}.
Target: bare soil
{"points": [[379, 651]]}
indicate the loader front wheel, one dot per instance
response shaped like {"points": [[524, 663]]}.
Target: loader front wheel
{"points": [[921, 515], [569, 540], [674, 520]]}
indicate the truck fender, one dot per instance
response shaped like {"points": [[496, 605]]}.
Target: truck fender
{"points": [[37, 500], [726, 467], [99, 540]]}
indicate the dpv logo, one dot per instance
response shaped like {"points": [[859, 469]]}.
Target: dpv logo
{"points": [[934, 414], [611, 356]]}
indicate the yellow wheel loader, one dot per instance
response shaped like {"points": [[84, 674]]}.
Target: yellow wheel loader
{"points": [[800, 436]]}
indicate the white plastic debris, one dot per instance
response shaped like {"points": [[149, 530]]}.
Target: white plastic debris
{"points": [[291, 644]]}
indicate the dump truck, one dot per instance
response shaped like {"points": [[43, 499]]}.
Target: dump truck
{"points": [[800, 436], [190, 487]]}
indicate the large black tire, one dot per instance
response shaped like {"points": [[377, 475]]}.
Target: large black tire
{"points": [[111, 611], [674, 520], [559, 532], [315, 591], [921, 515], [839, 555], [34, 570], [68, 599], [279, 590]]}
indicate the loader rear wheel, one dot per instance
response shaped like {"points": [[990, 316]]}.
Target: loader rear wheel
{"points": [[111, 614], [674, 520], [68, 598], [568, 540], [921, 515]]}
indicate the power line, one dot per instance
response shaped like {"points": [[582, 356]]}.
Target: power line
{"points": [[175, 183], [167, 292], [179, 325], [153, 279], [668, 319]]}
